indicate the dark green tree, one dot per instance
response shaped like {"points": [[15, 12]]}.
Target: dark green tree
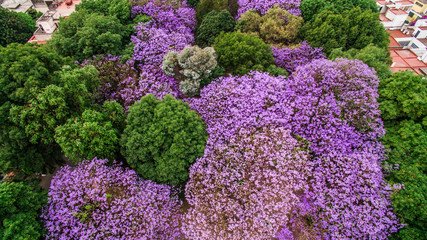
{"points": [[193, 3], [34, 14], [162, 139], [354, 28], [240, 53], [121, 9], [206, 6], [24, 70], [373, 56], [94, 134], [403, 99], [84, 35], [20, 208], [310, 8], [212, 25], [15, 27], [54, 104]]}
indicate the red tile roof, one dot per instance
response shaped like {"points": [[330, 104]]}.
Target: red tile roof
{"points": [[404, 59], [404, 3], [383, 18]]}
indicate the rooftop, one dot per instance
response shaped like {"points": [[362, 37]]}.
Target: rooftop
{"points": [[383, 18], [405, 3], [398, 11]]}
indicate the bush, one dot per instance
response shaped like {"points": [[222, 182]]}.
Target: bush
{"points": [[189, 67], [121, 9], [240, 53], [262, 6], [212, 25], [20, 208], [277, 26], [162, 139], [94, 201]]}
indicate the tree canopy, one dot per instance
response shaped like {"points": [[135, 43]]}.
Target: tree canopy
{"points": [[15, 27], [355, 28], [212, 25], [162, 139]]}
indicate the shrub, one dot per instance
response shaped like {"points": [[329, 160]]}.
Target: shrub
{"points": [[240, 53], [189, 67], [15, 27], [206, 6], [277, 26], [20, 208], [247, 187], [94, 201], [212, 25], [162, 139], [121, 9]]}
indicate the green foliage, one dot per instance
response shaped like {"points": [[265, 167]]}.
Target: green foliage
{"points": [[217, 72], [121, 9], [403, 96], [20, 208], [15, 27], [34, 14], [193, 3], [354, 28], [378, 58], [212, 25], [83, 35], [276, 71], [24, 71], [277, 26], [310, 8], [54, 104], [240, 53], [94, 134], [206, 6], [162, 139], [403, 99]]}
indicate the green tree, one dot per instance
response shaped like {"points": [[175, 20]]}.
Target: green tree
{"points": [[206, 6], [403, 96], [94, 134], [24, 70], [240, 53], [34, 14], [310, 8], [162, 139], [15, 27], [373, 56], [83, 35], [54, 104], [20, 208], [212, 25], [403, 99], [354, 28], [277, 26], [121, 9]]}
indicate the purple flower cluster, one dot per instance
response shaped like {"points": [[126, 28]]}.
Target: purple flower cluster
{"points": [[290, 59], [170, 29], [94, 201], [292, 6], [332, 106], [247, 188]]}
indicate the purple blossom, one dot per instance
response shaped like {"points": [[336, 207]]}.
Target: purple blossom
{"points": [[333, 107], [262, 6], [246, 188], [94, 201], [290, 59]]}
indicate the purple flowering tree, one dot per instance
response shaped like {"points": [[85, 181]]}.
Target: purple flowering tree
{"points": [[290, 59], [94, 201], [332, 106], [246, 188], [262, 6]]}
